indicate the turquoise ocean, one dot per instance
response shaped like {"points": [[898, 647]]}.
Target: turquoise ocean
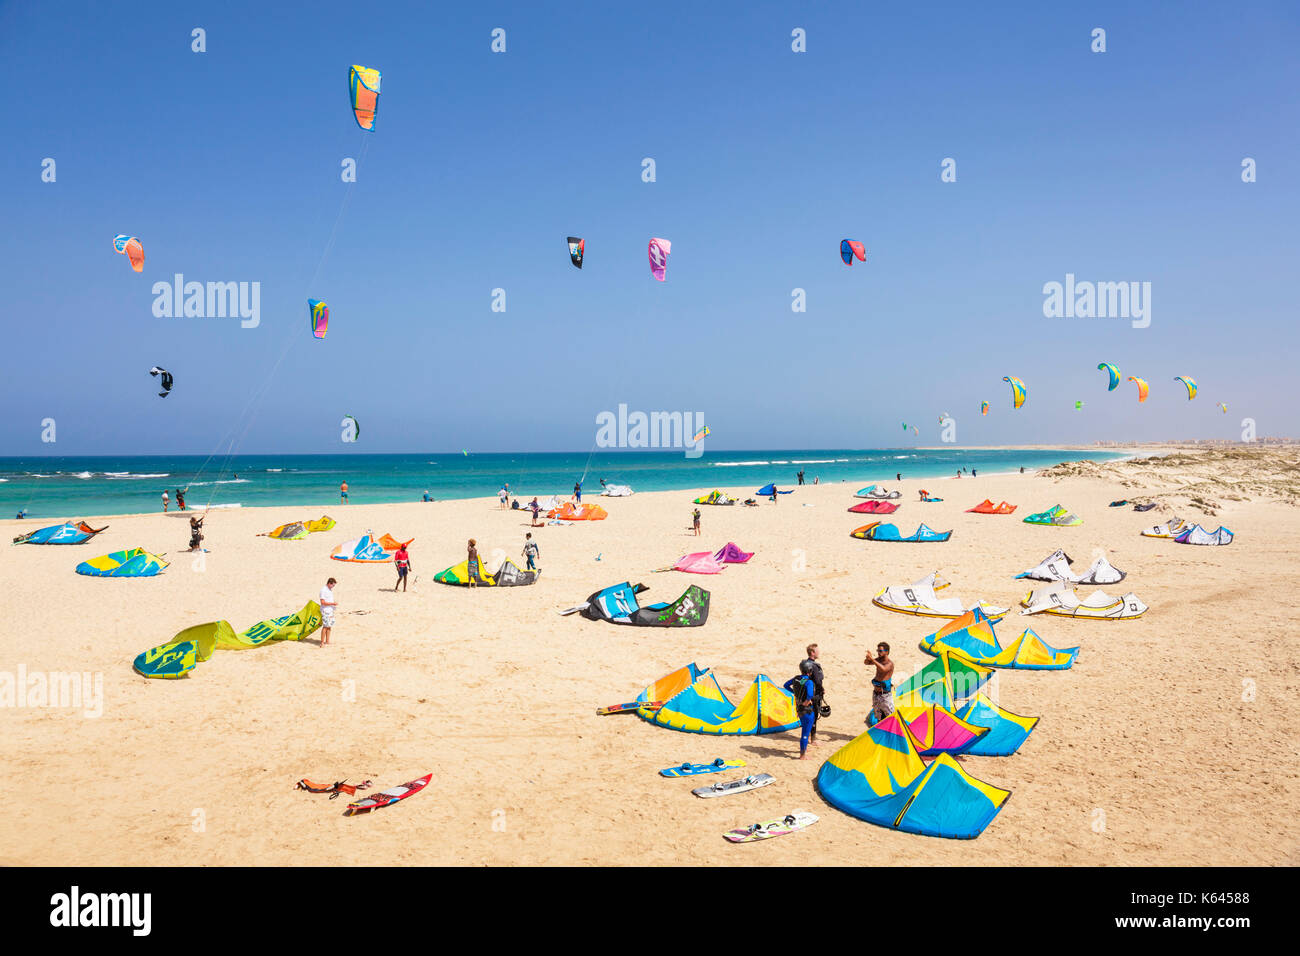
{"points": [[49, 487]]}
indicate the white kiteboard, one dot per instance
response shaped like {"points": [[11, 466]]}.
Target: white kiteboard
{"points": [[752, 782]]}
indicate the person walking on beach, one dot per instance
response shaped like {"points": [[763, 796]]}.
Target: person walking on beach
{"points": [[819, 690], [402, 561], [802, 689], [471, 563], [343, 493], [165, 500], [327, 606], [534, 507], [531, 551], [695, 521], [882, 685], [180, 500]]}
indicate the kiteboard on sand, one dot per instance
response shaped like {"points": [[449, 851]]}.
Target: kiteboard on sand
{"points": [[770, 828], [752, 782], [692, 769], [628, 708], [387, 797]]}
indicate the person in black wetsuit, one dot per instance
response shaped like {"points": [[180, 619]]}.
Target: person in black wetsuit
{"points": [[819, 688], [803, 689]]}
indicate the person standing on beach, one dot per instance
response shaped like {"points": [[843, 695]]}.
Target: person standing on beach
{"points": [[577, 492], [471, 563], [814, 671], [402, 561], [695, 521], [180, 500], [327, 606], [531, 551], [343, 493], [165, 500], [799, 475], [196, 533], [882, 685], [502, 495], [802, 689], [534, 507]]}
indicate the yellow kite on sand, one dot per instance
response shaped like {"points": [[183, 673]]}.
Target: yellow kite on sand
{"points": [[195, 644]]}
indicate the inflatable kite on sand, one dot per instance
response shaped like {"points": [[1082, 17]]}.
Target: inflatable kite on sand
{"points": [[132, 563], [618, 605], [507, 576], [972, 636], [66, 533], [703, 708], [195, 644], [880, 777]]}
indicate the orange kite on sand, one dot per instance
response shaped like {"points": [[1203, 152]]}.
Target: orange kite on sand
{"points": [[568, 512], [987, 507]]}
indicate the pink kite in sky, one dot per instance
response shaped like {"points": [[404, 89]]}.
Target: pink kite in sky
{"points": [[659, 250]]}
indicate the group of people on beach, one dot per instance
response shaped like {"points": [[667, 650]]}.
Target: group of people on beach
{"points": [[809, 690]]}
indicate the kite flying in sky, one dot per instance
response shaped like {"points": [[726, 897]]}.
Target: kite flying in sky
{"points": [[364, 83], [166, 380], [850, 248], [659, 250], [1142, 385], [1018, 390], [130, 247], [1191, 385], [318, 314], [577, 247], [1113, 372]]}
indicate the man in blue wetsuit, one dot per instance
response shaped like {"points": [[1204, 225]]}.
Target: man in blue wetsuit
{"points": [[803, 689]]}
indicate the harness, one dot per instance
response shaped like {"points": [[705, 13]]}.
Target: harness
{"points": [[333, 789]]}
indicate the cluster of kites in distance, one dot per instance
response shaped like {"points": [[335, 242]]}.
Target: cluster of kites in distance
{"points": [[1019, 392]]}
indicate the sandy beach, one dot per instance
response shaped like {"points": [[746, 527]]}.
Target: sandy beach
{"points": [[1171, 741]]}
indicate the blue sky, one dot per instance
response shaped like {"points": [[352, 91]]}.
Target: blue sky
{"points": [[1124, 165]]}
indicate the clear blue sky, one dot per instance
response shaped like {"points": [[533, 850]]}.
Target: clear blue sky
{"points": [[1116, 166]]}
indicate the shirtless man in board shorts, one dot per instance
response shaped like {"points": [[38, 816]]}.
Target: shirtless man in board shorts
{"points": [[882, 685]]}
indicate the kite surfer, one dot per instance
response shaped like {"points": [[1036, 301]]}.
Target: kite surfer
{"points": [[802, 688], [180, 500], [882, 685], [531, 551], [327, 606], [196, 533], [799, 475], [471, 563], [402, 561], [695, 521], [819, 690]]}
